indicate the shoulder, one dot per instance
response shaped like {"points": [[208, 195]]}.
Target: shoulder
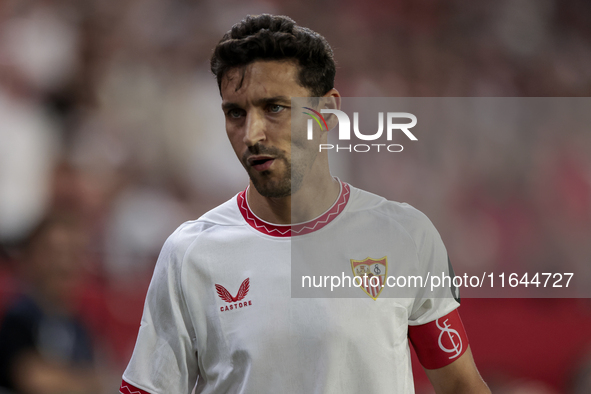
{"points": [[408, 217], [219, 218]]}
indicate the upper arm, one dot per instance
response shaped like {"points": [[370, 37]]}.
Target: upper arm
{"points": [[461, 376], [164, 358], [435, 328]]}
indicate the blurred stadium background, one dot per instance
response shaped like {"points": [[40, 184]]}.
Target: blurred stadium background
{"points": [[111, 136]]}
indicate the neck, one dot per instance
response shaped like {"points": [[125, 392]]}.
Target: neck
{"points": [[316, 195]]}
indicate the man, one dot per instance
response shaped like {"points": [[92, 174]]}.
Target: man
{"points": [[261, 340], [44, 345]]}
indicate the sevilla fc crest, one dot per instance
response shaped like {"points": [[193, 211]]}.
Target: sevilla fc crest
{"points": [[372, 273]]}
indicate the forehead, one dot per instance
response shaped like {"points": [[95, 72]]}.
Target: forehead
{"points": [[262, 79]]}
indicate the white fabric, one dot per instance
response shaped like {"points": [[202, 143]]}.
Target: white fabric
{"points": [[279, 344]]}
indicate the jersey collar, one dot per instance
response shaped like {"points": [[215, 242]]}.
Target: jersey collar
{"points": [[287, 230]]}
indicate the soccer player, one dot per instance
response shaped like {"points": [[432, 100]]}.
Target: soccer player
{"points": [[219, 316]]}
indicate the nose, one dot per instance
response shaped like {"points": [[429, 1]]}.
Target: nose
{"points": [[255, 129]]}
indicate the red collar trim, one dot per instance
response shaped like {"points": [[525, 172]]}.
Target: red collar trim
{"points": [[287, 230]]}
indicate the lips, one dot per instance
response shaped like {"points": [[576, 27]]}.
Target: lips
{"points": [[260, 163]]}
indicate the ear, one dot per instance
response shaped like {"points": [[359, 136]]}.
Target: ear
{"points": [[331, 100]]}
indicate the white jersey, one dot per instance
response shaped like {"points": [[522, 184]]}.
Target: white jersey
{"points": [[220, 310]]}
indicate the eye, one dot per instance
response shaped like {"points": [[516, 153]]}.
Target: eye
{"points": [[276, 108], [235, 113]]}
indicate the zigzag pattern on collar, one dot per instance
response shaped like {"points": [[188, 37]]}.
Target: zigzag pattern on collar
{"points": [[296, 229]]}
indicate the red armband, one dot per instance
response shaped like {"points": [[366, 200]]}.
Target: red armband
{"points": [[439, 342], [127, 388]]}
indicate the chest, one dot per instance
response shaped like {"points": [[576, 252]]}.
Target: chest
{"points": [[246, 309]]}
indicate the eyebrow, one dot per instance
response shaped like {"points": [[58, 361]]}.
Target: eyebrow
{"points": [[260, 102]]}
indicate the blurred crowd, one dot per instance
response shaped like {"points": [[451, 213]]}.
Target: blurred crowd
{"points": [[111, 135]]}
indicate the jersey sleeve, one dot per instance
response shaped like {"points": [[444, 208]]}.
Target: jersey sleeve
{"points": [[438, 296], [435, 328], [164, 359]]}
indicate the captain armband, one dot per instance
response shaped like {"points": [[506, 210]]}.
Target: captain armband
{"points": [[440, 342]]}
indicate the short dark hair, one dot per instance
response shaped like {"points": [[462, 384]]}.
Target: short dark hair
{"points": [[269, 37]]}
